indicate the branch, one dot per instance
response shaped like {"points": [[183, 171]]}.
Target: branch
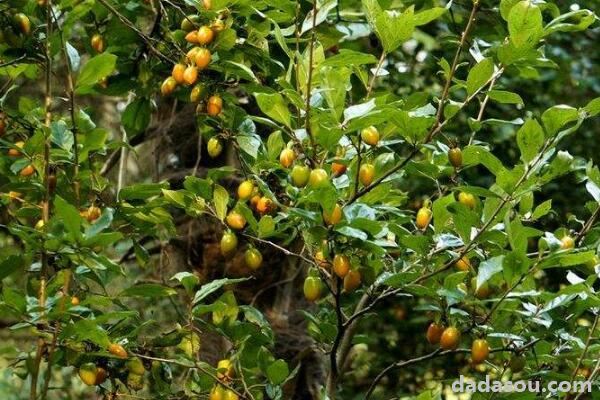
{"points": [[141, 34], [310, 76]]}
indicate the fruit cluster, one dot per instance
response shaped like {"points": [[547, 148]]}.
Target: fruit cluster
{"points": [[199, 36]]}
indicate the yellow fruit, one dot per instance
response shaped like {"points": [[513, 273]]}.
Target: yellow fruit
{"points": [[196, 93], [214, 106], [245, 190], [97, 43], [334, 217], [217, 26], [207, 4], [370, 136], [74, 301], [168, 86], [450, 338], [229, 243], [117, 350], [217, 393], [567, 242], [235, 220], [190, 75], [366, 174], [192, 37], [87, 373], [177, 73], [341, 265], [202, 58], [479, 351], [93, 213], [230, 395], [205, 35], [352, 280], [39, 225], [265, 206], [312, 288], [214, 147], [253, 258], [321, 260], [467, 199], [463, 264], [287, 157], [225, 370], [318, 178], [423, 218]]}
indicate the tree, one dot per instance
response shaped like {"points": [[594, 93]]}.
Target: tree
{"points": [[285, 142]]}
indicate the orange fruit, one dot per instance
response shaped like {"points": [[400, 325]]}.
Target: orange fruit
{"points": [[214, 106], [341, 265], [480, 351], [27, 171], [15, 152], [205, 35], [202, 58], [434, 333], [177, 73], [265, 205], [190, 75], [338, 169], [117, 350], [352, 280], [450, 338], [334, 217], [287, 157], [168, 86], [464, 264], [235, 220], [97, 43]]}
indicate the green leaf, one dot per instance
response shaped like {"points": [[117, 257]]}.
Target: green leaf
{"points": [[391, 27], [61, 136], [504, 97], [69, 216], [221, 199], [525, 24], [142, 191], [348, 57], [274, 105], [148, 290], [593, 107], [136, 116], [266, 226], [489, 268], [542, 209], [479, 75], [556, 117], [277, 372], [96, 68], [530, 139], [87, 329], [187, 279], [10, 265], [213, 286]]}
